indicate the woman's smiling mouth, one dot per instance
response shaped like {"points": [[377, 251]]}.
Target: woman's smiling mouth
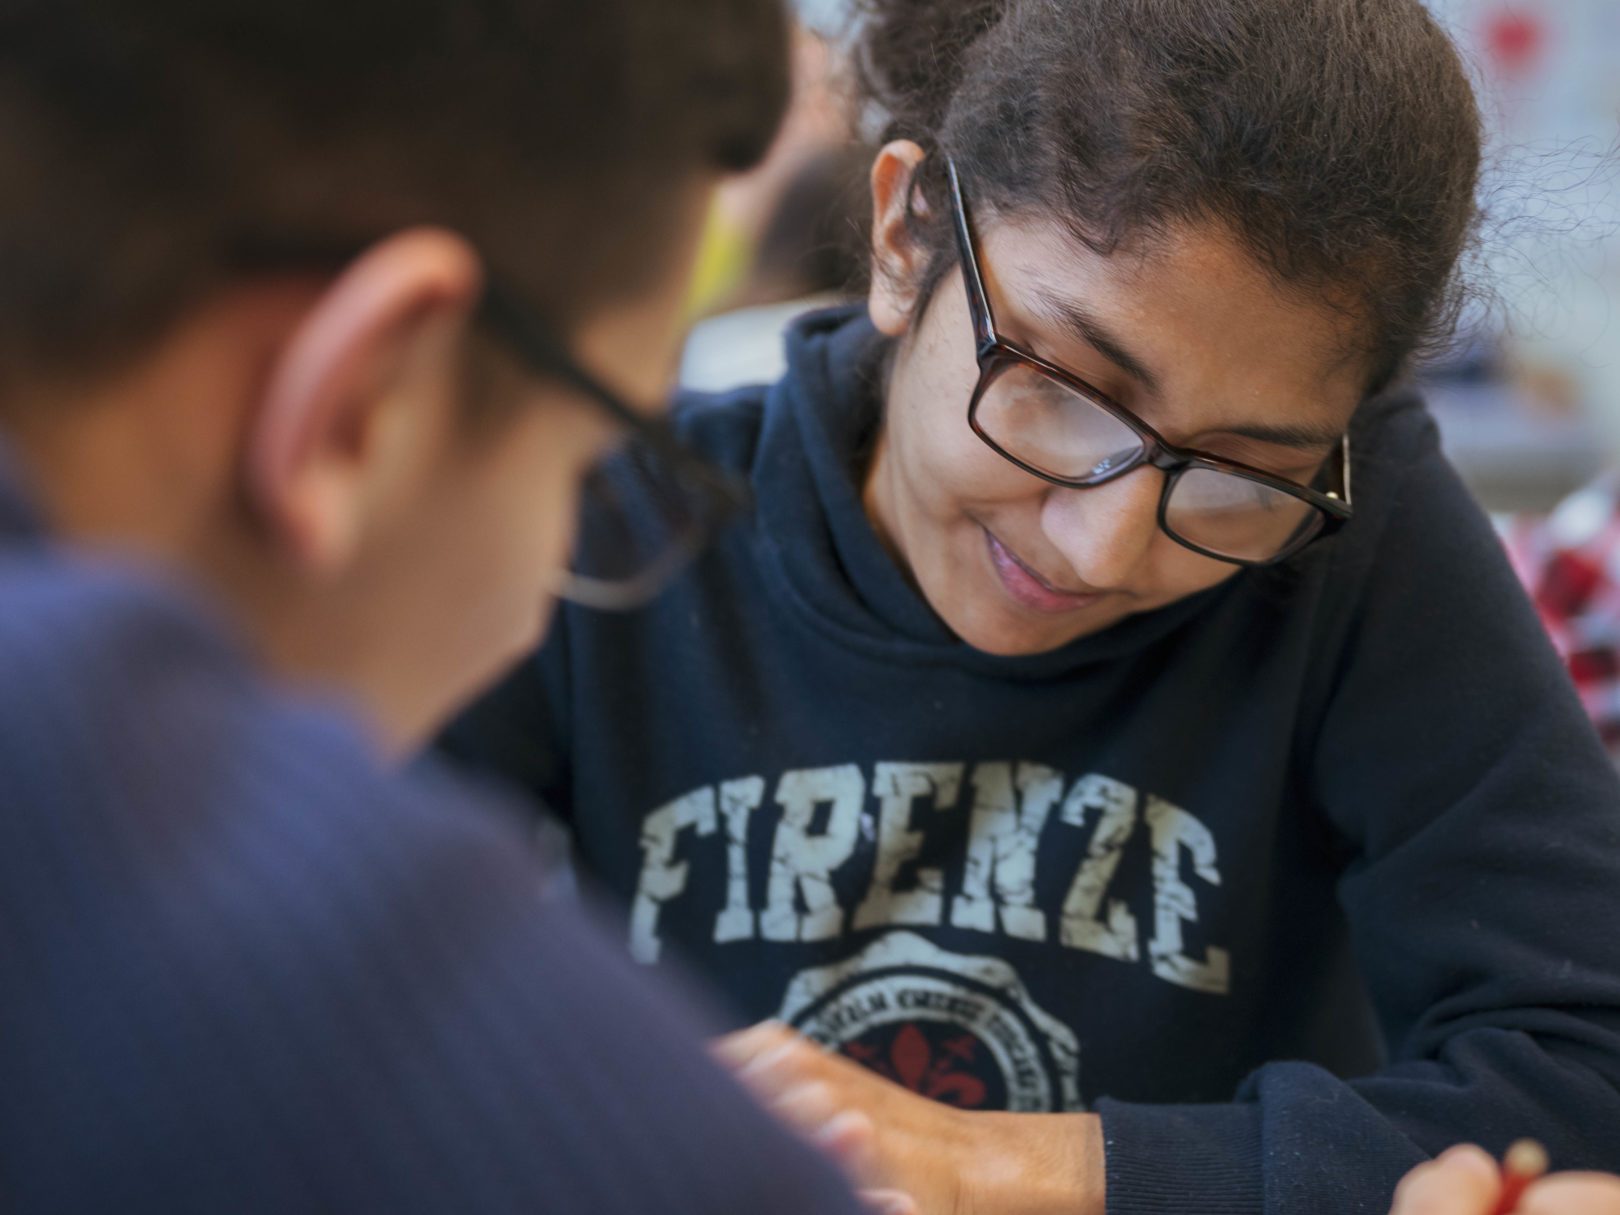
{"points": [[1028, 589]]}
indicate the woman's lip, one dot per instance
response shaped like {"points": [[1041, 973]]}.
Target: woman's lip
{"points": [[1027, 588]]}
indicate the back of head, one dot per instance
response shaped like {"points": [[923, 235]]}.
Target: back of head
{"points": [[150, 151], [1337, 140]]}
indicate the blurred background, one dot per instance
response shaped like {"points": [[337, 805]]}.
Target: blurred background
{"points": [[1531, 407], [787, 237]]}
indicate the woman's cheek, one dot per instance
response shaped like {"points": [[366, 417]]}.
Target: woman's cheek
{"points": [[971, 475], [1178, 572]]}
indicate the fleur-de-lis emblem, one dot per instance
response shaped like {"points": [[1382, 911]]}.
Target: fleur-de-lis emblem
{"points": [[912, 1061]]}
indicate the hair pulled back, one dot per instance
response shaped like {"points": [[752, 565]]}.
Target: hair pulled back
{"points": [[1338, 141]]}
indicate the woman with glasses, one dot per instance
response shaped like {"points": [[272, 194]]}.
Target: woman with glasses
{"points": [[1114, 734]]}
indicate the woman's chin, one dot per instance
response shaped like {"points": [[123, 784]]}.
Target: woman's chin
{"points": [[993, 629]]}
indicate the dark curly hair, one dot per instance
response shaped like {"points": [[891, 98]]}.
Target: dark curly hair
{"points": [[1338, 140]]}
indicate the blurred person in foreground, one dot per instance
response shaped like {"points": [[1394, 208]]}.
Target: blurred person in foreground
{"points": [[299, 306]]}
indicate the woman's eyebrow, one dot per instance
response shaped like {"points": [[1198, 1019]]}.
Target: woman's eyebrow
{"points": [[1301, 434], [1097, 334]]}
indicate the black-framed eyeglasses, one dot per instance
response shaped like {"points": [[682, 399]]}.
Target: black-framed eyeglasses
{"points": [[1055, 426], [649, 506]]}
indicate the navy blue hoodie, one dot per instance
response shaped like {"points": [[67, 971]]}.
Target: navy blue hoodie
{"points": [[1294, 882]]}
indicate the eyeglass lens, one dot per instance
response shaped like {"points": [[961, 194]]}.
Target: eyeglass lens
{"points": [[1049, 426]]}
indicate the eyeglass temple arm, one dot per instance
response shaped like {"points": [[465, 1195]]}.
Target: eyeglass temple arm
{"points": [[546, 356], [542, 352], [978, 299], [1344, 471]]}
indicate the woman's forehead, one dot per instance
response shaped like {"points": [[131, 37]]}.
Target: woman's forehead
{"points": [[1190, 312]]}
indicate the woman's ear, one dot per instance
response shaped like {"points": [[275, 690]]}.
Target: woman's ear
{"points": [[897, 259], [356, 390]]}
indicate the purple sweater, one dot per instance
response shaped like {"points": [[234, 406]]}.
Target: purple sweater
{"points": [[243, 968]]}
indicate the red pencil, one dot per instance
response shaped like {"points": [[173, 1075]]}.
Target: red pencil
{"points": [[1525, 1163]]}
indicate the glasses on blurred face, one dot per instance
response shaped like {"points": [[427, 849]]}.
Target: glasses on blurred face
{"points": [[649, 506], [1054, 425]]}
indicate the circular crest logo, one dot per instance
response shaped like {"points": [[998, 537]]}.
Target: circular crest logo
{"points": [[953, 1027]]}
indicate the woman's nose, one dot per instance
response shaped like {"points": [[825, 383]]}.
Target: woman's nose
{"points": [[1105, 532]]}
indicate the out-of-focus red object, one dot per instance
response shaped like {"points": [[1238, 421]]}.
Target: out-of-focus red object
{"points": [[1515, 40]]}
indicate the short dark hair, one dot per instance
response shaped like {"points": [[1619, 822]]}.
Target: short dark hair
{"points": [[1338, 140], [144, 146]]}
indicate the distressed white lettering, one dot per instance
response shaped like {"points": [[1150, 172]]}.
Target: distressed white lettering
{"points": [[1004, 837], [899, 788], [1112, 804], [661, 877], [1175, 903], [802, 863], [738, 801]]}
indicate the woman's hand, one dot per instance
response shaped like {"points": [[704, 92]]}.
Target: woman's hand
{"points": [[949, 1161], [1466, 1181]]}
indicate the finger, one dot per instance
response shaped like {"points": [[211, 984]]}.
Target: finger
{"points": [[776, 1069], [738, 1049], [1462, 1181], [850, 1138], [844, 1134], [889, 1202], [1573, 1194], [807, 1106]]}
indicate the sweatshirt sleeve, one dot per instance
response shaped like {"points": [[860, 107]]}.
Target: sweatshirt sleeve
{"points": [[1480, 822]]}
